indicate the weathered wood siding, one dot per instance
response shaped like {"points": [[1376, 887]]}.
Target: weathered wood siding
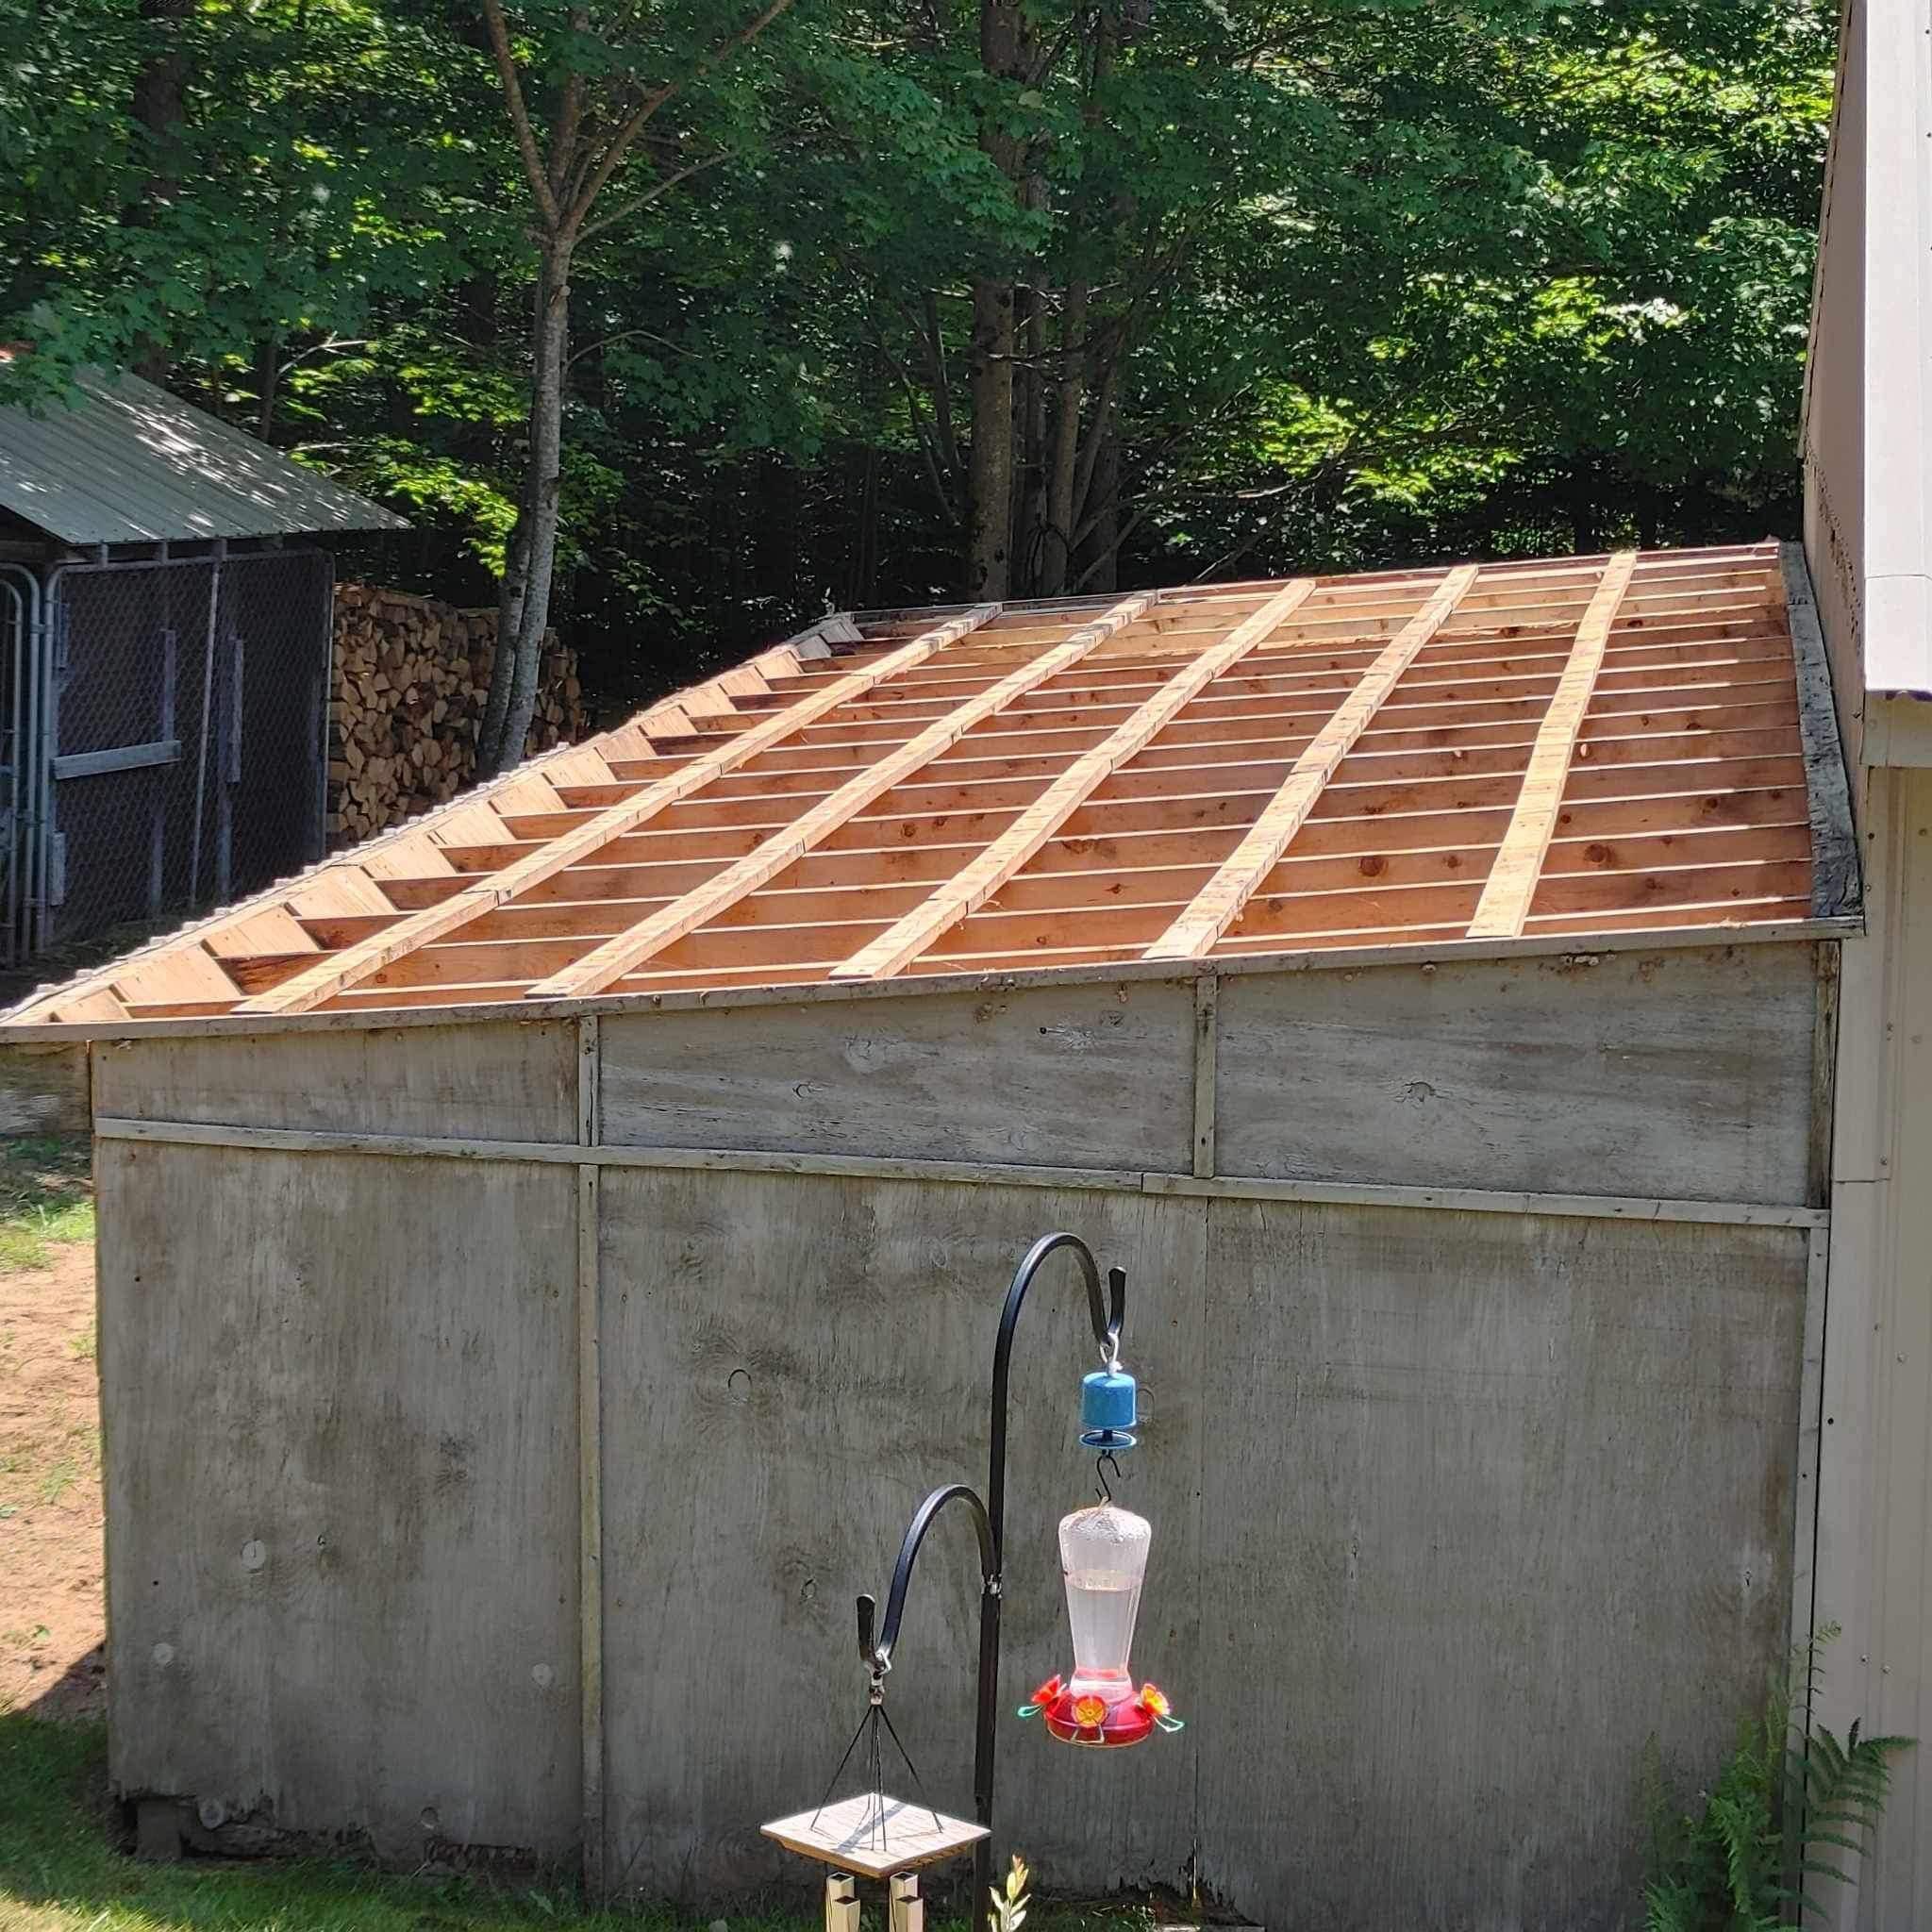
{"points": [[1489, 1500], [1081, 1076], [797, 1361], [1454, 1508], [492, 1082], [1451, 1514], [342, 1492], [1615, 1074]]}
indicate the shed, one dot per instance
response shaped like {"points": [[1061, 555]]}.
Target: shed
{"points": [[545, 1253], [1867, 532], [164, 655]]}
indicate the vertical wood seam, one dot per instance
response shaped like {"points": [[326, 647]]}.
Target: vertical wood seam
{"points": [[1206, 1050], [1823, 1075], [1807, 1484], [590, 1464]]}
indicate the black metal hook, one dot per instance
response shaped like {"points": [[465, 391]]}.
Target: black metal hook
{"points": [[875, 1649], [1102, 1463]]}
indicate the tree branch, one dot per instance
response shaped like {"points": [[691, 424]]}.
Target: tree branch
{"points": [[520, 112], [620, 142], [624, 209]]}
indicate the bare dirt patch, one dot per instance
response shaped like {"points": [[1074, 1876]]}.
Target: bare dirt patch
{"points": [[52, 1618]]}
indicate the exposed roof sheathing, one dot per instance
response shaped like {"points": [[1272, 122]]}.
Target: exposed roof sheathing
{"points": [[1473, 758], [129, 463]]}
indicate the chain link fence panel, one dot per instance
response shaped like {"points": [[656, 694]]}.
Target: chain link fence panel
{"points": [[184, 733]]}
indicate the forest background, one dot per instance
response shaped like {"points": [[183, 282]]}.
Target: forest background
{"points": [[677, 323]]}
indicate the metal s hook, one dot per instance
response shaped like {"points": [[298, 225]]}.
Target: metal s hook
{"points": [[1101, 1464]]}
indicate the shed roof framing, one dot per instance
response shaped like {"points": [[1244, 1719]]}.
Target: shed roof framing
{"points": [[1205, 776]]}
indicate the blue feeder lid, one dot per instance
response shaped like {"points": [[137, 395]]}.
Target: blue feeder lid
{"points": [[1108, 1408]]}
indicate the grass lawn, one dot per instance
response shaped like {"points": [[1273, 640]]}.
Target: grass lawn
{"points": [[46, 1198], [61, 1869]]}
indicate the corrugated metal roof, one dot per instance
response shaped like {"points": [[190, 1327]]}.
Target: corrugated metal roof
{"points": [[132, 464], [1477, 758]]}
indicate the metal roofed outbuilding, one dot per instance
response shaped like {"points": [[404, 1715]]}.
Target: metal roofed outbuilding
{"points": [[126, 462], [164, 657]]}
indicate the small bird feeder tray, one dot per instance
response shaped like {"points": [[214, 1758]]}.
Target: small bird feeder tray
{"points": [[875, 1835]]}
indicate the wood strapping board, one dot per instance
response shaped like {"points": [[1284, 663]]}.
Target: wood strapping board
{"points": [[969, 889], [617, 956], [1219, 902], [1512, 881], [364, 961]]}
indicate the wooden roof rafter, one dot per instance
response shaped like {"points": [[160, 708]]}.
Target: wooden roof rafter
{"points": [[976, 883], [618, 955], [1218, 903], [1512, 880], [341, 971]]}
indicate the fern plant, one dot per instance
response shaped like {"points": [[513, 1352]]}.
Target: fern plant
{"points": [[1783, 1804]]}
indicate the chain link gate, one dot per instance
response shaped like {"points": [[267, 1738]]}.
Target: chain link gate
{"points": [[183, 760]]}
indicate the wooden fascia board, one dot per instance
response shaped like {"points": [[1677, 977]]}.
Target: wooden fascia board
{"points": [[1835, 873]]}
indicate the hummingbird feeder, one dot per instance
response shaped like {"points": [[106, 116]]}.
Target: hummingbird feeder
{"points": [[1103, 1564]]}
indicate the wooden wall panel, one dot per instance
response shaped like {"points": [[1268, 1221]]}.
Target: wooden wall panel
{"points": [[1451, 1512], [790, 1364], [1685, 1075], [1486, 1502], [342, 1492], [507, 1081], [1079, 1076]]}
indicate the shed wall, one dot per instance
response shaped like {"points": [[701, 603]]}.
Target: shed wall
{"points": [[1452, 1508], [342, 1492]]}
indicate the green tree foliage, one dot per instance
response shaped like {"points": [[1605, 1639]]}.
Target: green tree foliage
{"points": [[1291, 283]]}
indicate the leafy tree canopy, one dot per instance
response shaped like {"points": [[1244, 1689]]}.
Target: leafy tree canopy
{"points": [[1292, 283]]}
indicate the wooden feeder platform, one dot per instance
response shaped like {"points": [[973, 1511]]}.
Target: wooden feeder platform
{"points": [[874, 1835]]}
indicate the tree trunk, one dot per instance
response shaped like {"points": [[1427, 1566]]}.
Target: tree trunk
{"points": [[1098, 560], [158, 105], [990, 471], [1058, 543], [990, 474], [542, 502]]}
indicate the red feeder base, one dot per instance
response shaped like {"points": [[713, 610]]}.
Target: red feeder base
{"points": [[1101, 1722]]}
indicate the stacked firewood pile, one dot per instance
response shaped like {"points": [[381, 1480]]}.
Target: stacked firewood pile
{"points": [[411, 681]]}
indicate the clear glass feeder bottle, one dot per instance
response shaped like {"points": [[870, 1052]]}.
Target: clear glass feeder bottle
{"points": [[1104, 1561]]}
